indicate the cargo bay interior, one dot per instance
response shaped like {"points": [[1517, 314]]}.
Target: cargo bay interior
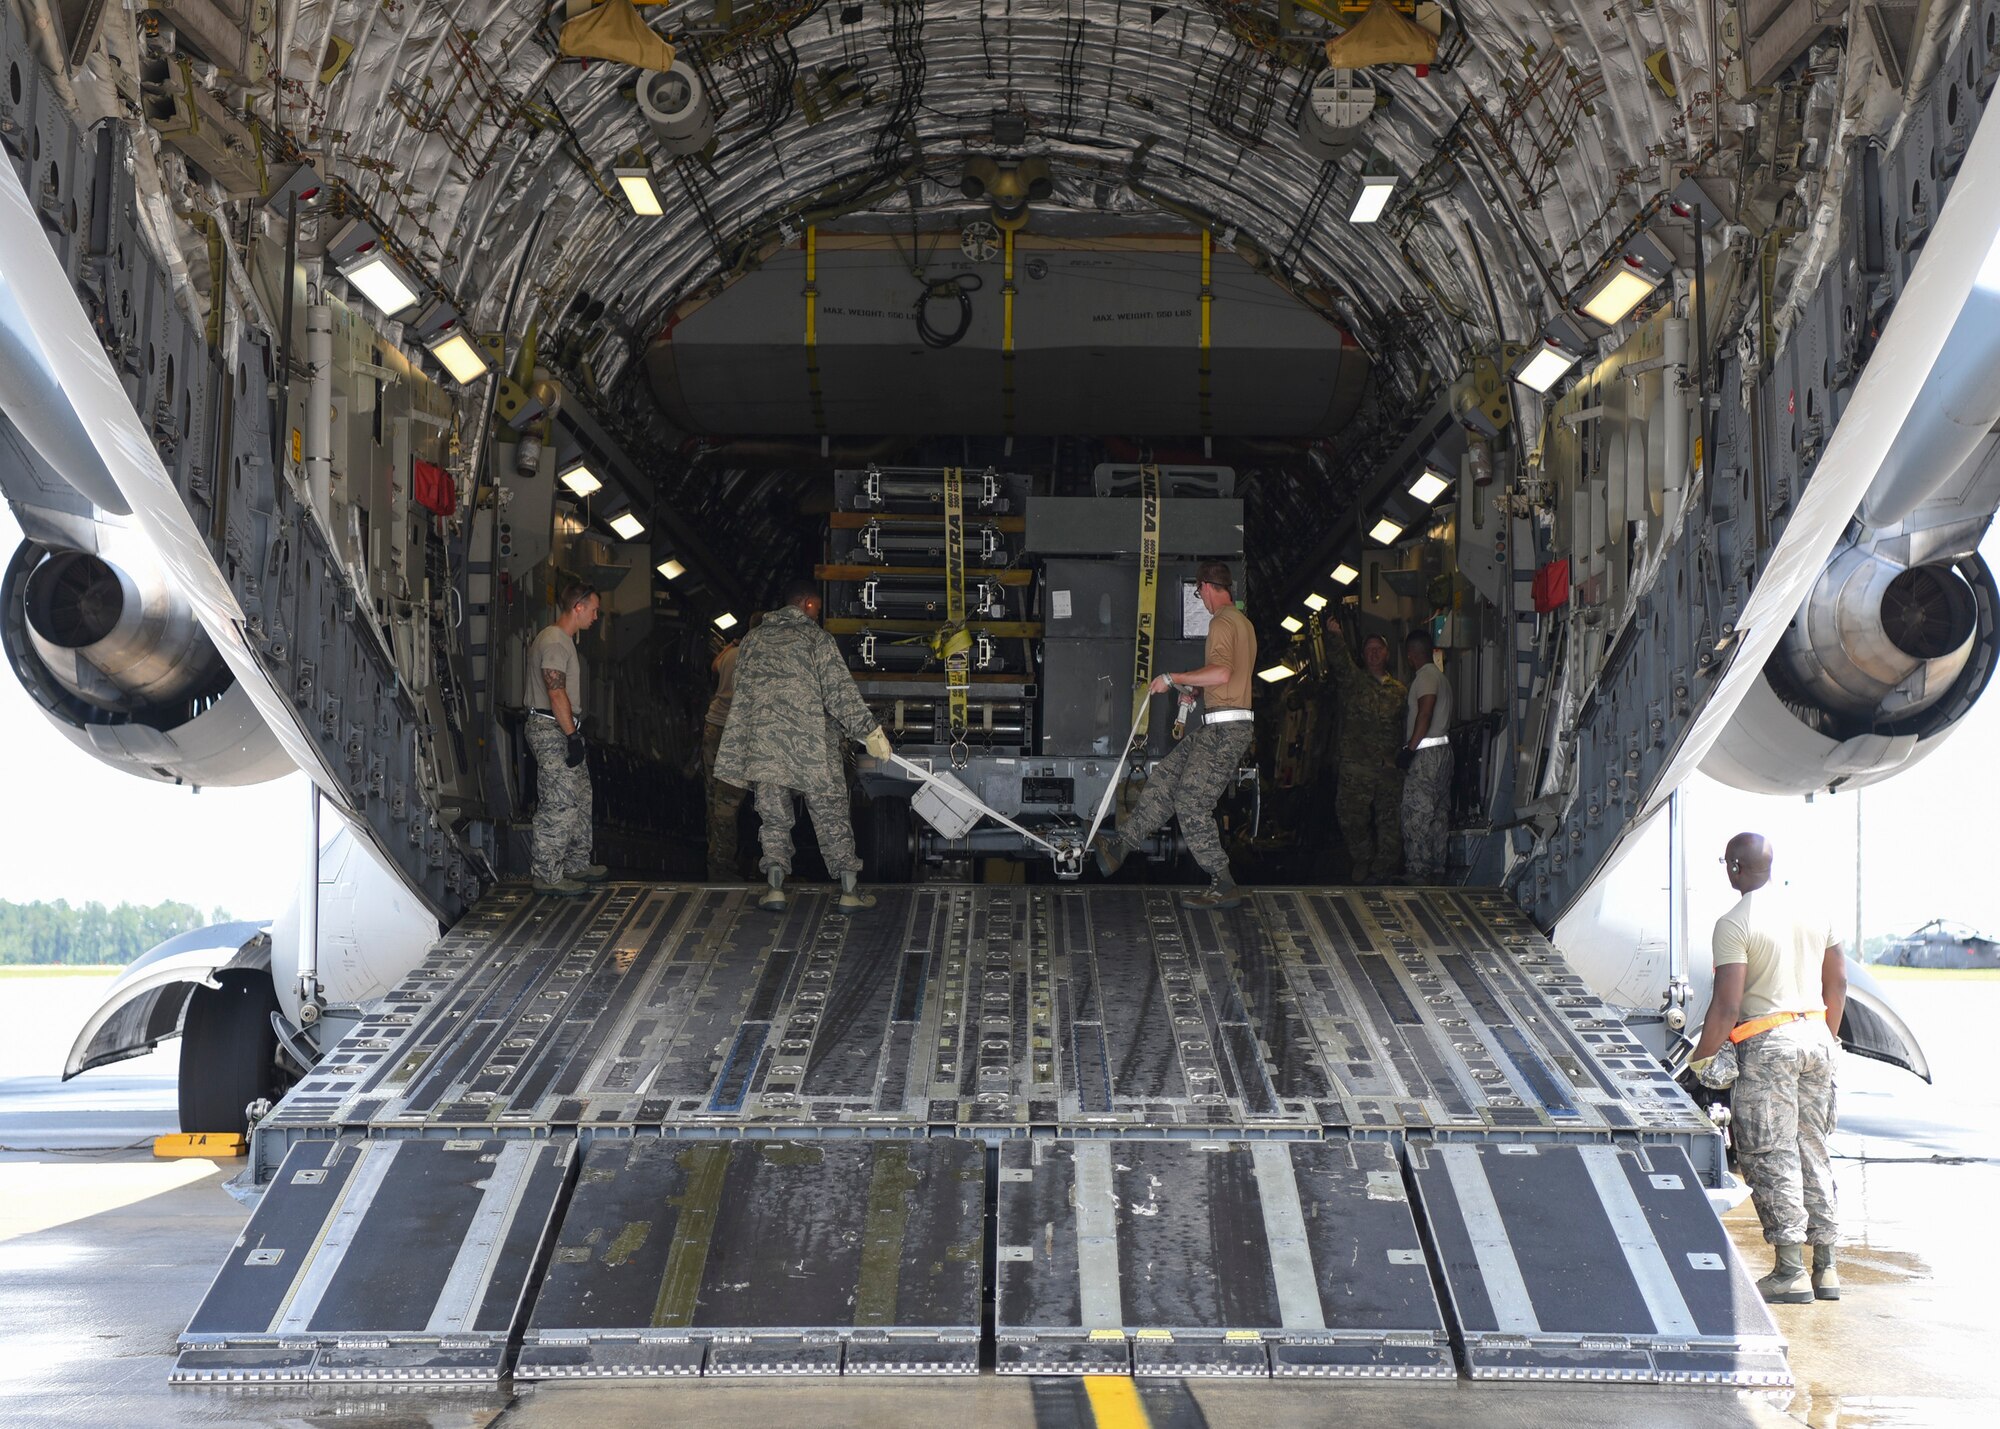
{"points": [[946, 302]]}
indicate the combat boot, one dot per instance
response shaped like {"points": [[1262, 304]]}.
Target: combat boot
{"points": [[1222, 894], [561, 888], [774, 899], [1110, 850], [1825, 1274], [851, 896], [589, 873], [1787, 1284]]}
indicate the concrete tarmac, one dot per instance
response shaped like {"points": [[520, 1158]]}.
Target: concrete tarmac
{"points": [[104, 1254]]}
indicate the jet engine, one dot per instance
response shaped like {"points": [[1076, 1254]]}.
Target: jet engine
{"points": [[1880, 663], [115, 657]]}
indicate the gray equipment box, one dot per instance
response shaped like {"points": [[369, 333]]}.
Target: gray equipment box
{"points": [[1091, 526], [1100, 600], [1086, 705]]}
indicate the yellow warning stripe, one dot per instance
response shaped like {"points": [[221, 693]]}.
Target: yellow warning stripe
{"points": [[812, 326], [958, 651], [1114, 1402], [1007, 332]]}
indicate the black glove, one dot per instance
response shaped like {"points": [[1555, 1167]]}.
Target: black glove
{"points": [[575, 755], [1405, 757]]}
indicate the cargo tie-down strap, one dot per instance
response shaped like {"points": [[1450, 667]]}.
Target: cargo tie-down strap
{"points": [[1149, 590], [954, 641], [957, 793]]}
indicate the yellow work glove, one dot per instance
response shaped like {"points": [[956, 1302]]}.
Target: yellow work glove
{"points": [[877, 744], [1701, 1067]]}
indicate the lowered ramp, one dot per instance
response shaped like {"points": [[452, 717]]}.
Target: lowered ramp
{"points": [[1157, 1140]]}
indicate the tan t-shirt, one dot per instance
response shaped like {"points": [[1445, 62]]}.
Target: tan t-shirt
{"points": [[1232, 641], [555, 649], [1782, 944]]}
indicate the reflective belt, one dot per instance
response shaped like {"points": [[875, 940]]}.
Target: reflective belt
{"points": [[1433, 742], [1149, 586], [1226, 716], [1744, 1031]]}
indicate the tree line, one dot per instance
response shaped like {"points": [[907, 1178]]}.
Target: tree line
{"points": [[92, 935]]}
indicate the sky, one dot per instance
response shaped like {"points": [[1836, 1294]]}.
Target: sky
{"points": [[80, 830]]}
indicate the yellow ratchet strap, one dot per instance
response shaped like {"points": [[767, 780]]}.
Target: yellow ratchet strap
{"points": [[957, 643], [1149, 591]]}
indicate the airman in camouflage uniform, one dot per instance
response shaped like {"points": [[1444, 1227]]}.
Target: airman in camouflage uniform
{"points": [[793, 691], [1368, 801], [1189, 782], [564, 799], [1780, 991]]}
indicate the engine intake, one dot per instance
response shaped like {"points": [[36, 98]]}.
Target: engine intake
{"points": [[113, 654]]}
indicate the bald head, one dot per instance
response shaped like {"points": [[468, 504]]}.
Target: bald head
{"points": [[1748, 862]]}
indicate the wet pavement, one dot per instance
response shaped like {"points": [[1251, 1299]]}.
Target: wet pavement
{"points": [[105, 1253]]}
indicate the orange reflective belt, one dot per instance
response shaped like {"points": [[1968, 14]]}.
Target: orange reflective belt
{"points": [[1744, 1031]]}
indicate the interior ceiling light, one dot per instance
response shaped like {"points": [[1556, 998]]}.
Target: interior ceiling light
{"points": [[1430, 486], [1544, 366], [581, 479], [1315, 602], [1292, 624], [725, 621], [1372, 197], [357, 252], [673, 570], [1345, 574], [1273, 673], [1385, 531], [460, 358], [628, 526], [636, 178], [1634, 273]]}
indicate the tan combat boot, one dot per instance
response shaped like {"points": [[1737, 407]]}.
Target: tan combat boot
{"points": [[1825, 1274], [774, 899], [851, 896], [1787, 1284]]}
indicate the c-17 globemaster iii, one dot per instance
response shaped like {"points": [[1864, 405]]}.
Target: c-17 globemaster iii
{"points": [[1640, 357]]}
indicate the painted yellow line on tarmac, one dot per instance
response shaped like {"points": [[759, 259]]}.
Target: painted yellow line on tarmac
{"points": [[1114, 1402]]}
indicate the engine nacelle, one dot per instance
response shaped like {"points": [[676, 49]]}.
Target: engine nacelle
{"points": [[115, 657], [1878, 666]]}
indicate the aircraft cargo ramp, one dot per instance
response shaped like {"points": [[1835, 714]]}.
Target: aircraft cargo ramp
{"points": [[1044, 1130]]}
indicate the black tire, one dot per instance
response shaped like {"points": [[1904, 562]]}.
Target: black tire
{"points": [[889, 852], [229, 1052]]}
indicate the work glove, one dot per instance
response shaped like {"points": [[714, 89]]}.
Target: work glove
{"points": [[1405, 757], [575, 755], [877, 743], [1717, 1073]]}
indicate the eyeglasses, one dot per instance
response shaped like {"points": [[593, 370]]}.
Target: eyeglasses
{"points": [[1732, 864]]}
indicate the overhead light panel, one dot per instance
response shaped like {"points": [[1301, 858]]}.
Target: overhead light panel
{"points": [[725, 621], [1372, 197], [673, 570], [1292, 624], [1640, 268], [1345, 574], [1271, 674], [1315, 602], [1430, 486], [628, 526], [637, 181], [1385, 531], [460, 358], [581, 479], [1544, 366]]}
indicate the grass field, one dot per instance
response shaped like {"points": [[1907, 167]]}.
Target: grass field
{"points": [[1889, 973], [49, 970]]}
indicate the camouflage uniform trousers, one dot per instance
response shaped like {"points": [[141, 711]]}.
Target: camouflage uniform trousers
{"points": [[831, 822], [724, 799], [1427, 814], [1188, 783], [1782, 1109], [1369, 808], [563, 803]]}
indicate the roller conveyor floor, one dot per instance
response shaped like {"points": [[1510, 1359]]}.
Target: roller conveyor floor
{"points": [[657, 1132]]}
